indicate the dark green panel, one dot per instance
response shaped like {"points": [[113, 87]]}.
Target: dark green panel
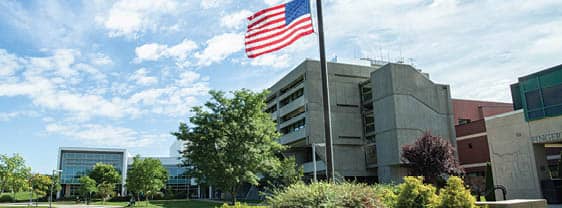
{"points": [[529, 84], [551, 79], [516, 97]]}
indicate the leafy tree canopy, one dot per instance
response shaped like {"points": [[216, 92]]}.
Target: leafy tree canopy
{"points": [[431, 157], [105, 173], [41, 184], [87, 186], [14, 174], [231, 140], [146, 176]]}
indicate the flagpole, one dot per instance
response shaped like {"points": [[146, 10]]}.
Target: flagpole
{"points": [[325, 95]]}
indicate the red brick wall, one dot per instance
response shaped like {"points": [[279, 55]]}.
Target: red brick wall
{"points": [[479, 153], [477, 110]]}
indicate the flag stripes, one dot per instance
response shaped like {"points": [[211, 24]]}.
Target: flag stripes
{"points": [[274, 28]]}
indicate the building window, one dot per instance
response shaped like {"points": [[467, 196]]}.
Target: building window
{"points": [[293, 114], [299, 93], [463, 121], [293, 84], [552, 95], [297, 126]]}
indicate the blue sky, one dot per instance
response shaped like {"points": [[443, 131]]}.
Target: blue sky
{"points": [[125, 73]]}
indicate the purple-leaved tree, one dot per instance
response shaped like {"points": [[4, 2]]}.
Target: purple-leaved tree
{"points": [[431, 157]]}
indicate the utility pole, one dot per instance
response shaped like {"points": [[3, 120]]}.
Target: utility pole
{"points": [[325, 95]]}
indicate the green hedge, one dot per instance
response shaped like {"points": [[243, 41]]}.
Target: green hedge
{"points": [[413, 193], [326, 195], [239, 205]]}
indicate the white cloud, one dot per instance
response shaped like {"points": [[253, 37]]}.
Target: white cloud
{"points": [[8, 63], [105, 135], [47, 88], [8, 116], [187, 78], [141, 77], [207, 4], [271, 60], [129, 18], [273, 2], [219, 48], [455, 41], [100, 59], [235, 20], [149, 52], [155, 51]]}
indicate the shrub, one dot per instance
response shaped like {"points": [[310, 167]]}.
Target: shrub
{"points": [[239, 205], [414, 194], [387, 193], [455, 195], [326, 195], [6, 198]]}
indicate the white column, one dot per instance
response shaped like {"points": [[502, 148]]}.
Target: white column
{"points": [[210, 192]]}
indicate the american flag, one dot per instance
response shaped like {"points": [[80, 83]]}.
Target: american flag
{"points": [[274, 28]]}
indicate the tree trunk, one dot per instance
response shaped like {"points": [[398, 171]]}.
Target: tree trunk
{"points": [[233, 195]]}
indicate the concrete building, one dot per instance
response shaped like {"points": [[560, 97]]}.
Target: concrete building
{"points": [[519, 140], [472, 142], [76, 162], [375, 111]]}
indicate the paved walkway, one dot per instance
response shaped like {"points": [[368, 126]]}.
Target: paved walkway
{"points": [[58, 205]]}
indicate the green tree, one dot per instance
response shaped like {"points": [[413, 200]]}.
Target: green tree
{"points": [[415, 194], [455, 195], [14, 174], [490, 193], [41, 184], [105, 173], [288, 174], [87, 187], [147, 176], [232, 140], [105, 191]]}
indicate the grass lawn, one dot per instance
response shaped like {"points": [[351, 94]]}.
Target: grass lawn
{"points": [[160, 203], [21, 196]]}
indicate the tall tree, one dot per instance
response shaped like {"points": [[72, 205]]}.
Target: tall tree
{"points": [[105, 191], [87, 187], [431, 156], [490, 193], [14, 173], [288, 173], [105, 173], [147, 176], [232, 140], [41, 184]]}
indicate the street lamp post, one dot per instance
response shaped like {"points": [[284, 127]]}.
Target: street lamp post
{"points": [[314, 159], [52, 186]]}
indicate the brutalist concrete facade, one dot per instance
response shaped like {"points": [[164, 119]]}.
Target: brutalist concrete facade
{"points": [[405, 103]]}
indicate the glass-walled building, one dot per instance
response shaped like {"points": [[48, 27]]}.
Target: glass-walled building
{"points": [[539, 94], [179, 182], [77, 162]]}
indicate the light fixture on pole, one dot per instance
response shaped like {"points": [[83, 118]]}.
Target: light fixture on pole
{"points": [[52, 186], [314, 159]]}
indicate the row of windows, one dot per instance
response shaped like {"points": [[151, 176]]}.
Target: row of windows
{"points": [[292, 85], [297, 94], [539, 94], [297, 126], [293, 114]]}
